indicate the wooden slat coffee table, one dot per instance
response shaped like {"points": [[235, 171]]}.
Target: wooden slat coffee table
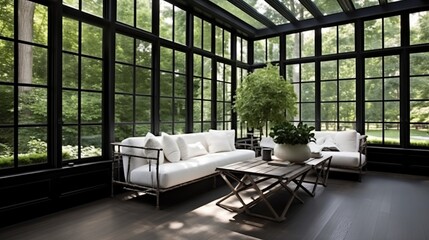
{"points": [[263, 179]]}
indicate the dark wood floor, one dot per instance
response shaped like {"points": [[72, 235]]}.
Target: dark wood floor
{"points": [[382, 206]]}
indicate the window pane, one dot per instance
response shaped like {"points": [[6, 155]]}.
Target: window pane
{"points": [[346, 38], [123, 78], [179, 26], [292, 46], [92, 71], [125, 11], [419, 27], [273, 53], [308, 111], [92, 40], [328, 70], [123, 108], [419, 111], [373, 34], [143, 81], [419, 87], [165, 20], [166, 84], [347, 111], [7, 19], [91, 106], [70, 35], [33, 23], [197, 32], [307, 43], [70, 107], [6, 106], [329, 40], [32, 105], [418, 135], [124, 48], [144, 14], [32, 142], [7, 65], [143, 108], [328, 91], [307, 92], [419, 63], [70, 71], [259, 51], [373, 67], [207, 39], [94, 7], [373, 111], [392, 111], [391, 89], [373, 89], [392, 32], [143, 53], [347, 90], [91, 141]]}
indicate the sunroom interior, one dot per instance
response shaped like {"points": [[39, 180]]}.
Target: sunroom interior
{"points": [[77, 75]]}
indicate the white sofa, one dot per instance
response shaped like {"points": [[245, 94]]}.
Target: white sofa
{"points": [[348, 149], [170, 161]]}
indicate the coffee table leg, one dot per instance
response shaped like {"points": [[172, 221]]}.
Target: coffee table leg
{"points": [[234, 191]]}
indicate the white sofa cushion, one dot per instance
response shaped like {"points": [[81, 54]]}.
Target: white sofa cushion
{"points": [[345, 159], [346, 141], [153, 142], [136, 162], [343, 140], [170, 148], [218, 142], [190, 150], [171, 174], [230, 134]]}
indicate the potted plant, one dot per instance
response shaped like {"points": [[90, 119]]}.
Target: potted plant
{"points": [[291, 141], [265, 96]]}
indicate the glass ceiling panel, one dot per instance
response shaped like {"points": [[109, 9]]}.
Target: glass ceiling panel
{"points": [[269, 12], [365, 3], [297, 9], [328, 6], [231, 8]]}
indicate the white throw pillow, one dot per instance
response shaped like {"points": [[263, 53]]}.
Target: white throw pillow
{"points": [[346, 141], [196, 149], [230, 134], [170, 148], [190, 150], [218, 142], [183, 148], [152, 142]]}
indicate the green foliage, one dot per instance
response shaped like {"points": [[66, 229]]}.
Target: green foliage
{"points": [[265, 96], [287, 133]]}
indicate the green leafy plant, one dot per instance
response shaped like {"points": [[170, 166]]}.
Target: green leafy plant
{"points": [[287, 133], [265, 96]]}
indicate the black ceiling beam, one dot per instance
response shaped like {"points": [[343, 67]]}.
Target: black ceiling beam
{"points": [[282, 10], [391, 8], [312, 8], [210, 9], [346, 5], [252, 12]]}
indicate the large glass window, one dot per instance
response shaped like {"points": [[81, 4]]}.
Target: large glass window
{"points": [[338, 94], [136, 13], [172, 83], [338, 39], [133, 87], [303, 79], [382, 33], [299, 45], [94, 7], [23, 84], [82, 85], [382, 111], [223, 42], [202, 34], [242, 50], [419, 99], [172, 22], [267, 50], [202, 96], [223, 96]]}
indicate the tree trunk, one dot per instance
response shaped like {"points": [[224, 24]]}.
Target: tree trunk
{"points": [[25, 51]]}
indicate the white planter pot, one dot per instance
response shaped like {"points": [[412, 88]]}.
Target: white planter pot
{"points": [[292, 153]]}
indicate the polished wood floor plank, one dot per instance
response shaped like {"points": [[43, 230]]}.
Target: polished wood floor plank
{"points": [[382, 206]]}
